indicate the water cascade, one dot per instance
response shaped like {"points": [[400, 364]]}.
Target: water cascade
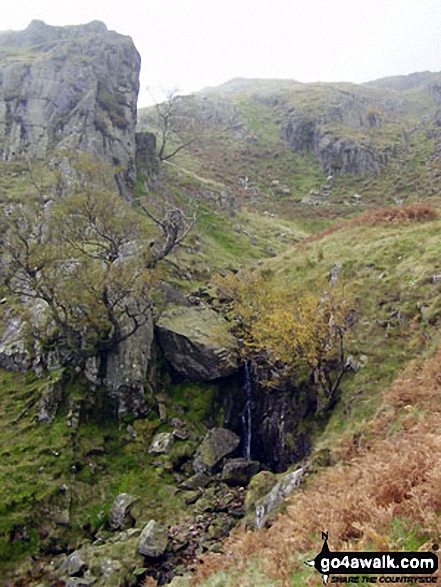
{"points": [[246, 412]]}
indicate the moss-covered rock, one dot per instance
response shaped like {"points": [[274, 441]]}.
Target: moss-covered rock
{"points": [[239, 471], [197, 343], [259, 486], [217, 444], [153, 540]]}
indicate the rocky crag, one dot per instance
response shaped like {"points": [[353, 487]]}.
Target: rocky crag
{"points": [[71, 88]]}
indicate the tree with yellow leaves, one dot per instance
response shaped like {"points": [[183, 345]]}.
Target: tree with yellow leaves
{"points": [[292, 331]]}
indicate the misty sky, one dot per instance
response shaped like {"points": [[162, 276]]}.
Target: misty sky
{"points": [[192, 44]]}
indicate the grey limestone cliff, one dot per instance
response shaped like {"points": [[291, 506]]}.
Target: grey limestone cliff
{"points": [[72, 88]]}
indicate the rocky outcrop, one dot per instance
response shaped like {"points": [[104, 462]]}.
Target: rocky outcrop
{"points": [[284, 487], [69, 88], [341, 132], [125, 370], [147, 164], [344, 155], [14, 354], [102, 564], [197, 343]]}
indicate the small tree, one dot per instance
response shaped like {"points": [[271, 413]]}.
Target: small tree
{"points": [[291, 331], [88, 256], [178, 125]]}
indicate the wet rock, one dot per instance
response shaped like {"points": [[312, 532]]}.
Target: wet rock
{"points": [[197, 343], [239, 471], [120, 515], [153, 540], [162, 443], [217, 444]]}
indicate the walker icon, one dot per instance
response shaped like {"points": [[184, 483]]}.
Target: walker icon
{"points": [[373, 563]]}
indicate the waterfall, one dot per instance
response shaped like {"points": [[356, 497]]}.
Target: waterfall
{"points": [[246, 413]]}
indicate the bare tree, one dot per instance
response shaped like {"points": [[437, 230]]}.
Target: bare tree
{"points": [[175, 226], [178, 125]]}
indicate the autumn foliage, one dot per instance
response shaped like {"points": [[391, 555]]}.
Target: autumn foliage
{"points": [[421, 212], [294, 333]]}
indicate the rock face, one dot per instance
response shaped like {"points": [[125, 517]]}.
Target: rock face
{"points": [[70, 88], [339, 132], [13, 353], [197, 343], [124, 370], [287, 485], [127, 369]]}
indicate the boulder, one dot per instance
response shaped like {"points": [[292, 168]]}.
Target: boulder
{"points": [[120, 515], [110, 563], [153, 540], [162, 443], [287, 484], [197, 343], [239, 471], [217, 444], [259, 486], [73, 565], [197, 481]]}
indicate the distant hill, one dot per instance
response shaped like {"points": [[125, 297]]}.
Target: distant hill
{"points": [[242, 85], [406, 82], [294, 133]]}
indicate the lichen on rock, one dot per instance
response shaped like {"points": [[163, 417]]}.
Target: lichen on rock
{"points": [[197, 343]]}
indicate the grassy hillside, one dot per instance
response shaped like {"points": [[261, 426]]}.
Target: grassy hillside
{"points": [[247, 185], [380, 487]]}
